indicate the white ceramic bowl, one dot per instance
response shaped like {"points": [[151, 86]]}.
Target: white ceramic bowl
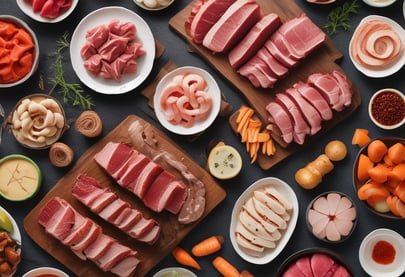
{"points": [[394, 269], [143, 34], [269, 253], [153, 5], [399, 99], [396, 66], [26, 7], [20, 23], [379, 3], [199, 125], [45, 270], [174, 271]]}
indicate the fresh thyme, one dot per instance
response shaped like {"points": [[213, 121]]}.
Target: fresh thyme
{"points": [[70, 92], [339, 17]]}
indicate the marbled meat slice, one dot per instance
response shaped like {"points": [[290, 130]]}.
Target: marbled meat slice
{"points": [[112, 156], [254, 40], [279, 117], [232, 26]]}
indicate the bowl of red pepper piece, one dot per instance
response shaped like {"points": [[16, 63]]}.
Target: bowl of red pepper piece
{"points": [[19, 51], [387, 108]]}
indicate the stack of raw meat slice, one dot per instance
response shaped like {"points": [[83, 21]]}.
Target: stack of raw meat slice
{"points": [[86, 239], [155, 186], [261, 48], [114, 210], [300, 110]]}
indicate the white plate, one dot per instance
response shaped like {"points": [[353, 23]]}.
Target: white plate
{"points": [[397, 267], [128, 81], [393, 68], [198, 126], [27, 9], [379, 3], [16, 235], [387, 71], [269, 254]]}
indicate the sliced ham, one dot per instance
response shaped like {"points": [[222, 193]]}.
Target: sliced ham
{"points": [[111, 212], [207, 15], [284, 58], [232, 26], [345, 88], [301, 127], [328, 86], [279, 117], [257, 71], [314, 97], [106, 252], [275, 66], [254, 40]]}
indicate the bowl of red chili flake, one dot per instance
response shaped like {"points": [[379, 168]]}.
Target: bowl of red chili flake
{"points": [[382, 253], [387, 108]]}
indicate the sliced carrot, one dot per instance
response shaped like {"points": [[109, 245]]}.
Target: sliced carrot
{"points": [[400, 191], [372, 189], [224, 267], [398, 172], [208, 246], [376, 150], [363, 166], [242, 110], [184, 258], [396, 153], [360, 137], [379, 173]]}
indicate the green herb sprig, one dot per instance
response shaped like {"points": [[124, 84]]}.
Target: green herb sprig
{"points": [[70, 92], [339, 17]]}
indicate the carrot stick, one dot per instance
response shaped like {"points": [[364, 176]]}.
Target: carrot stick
{"points": [[246, 273], [208, 246], [184, 258], [224, 267]]}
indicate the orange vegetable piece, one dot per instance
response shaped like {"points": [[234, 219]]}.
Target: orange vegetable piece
{"points": [[398, 172], [396, 153], [184, 258], [372, 189], [379, 173], [376, 150], [363, 166], [360, 137], [224, 267], [208, 246], [246, 273], [400, 191]]}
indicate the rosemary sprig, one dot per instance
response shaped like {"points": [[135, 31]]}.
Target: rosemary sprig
{"points": [[339, 17], [69, 91]]}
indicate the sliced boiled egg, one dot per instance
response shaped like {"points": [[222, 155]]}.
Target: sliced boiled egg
{"points": [[224, 161]]}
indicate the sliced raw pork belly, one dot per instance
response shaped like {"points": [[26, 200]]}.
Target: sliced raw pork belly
{"points": [[207, 15], [106, 252], [154, 185], [259, 74], [112, 210], [274, 65], [232, 26], [279, 116], [254, 40]]}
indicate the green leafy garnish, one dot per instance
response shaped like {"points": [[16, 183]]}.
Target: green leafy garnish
{"points": [[339, 17], [70, 92]]}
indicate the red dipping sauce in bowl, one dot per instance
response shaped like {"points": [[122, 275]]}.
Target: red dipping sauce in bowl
{"points": [[387, 108]]}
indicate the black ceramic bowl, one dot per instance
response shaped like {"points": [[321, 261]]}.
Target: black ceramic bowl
{"points": [[309, 252], [389, 141]]}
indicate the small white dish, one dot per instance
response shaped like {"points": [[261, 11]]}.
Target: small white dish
{"points": [[45, 271], [396, 66], [16, 235], [174, 271], [144, 63], [379, 3], [269, 253], [154, 5], [20, 23], [394, 269], [26, 8], [199, 125]]}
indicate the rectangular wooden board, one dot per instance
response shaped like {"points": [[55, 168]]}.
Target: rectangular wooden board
{"points": [[322, 60], [172, 231]]}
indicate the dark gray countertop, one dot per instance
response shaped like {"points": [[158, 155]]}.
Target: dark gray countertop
{"points": [[114, 108]]}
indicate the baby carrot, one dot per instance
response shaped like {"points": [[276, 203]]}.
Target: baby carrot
{"points": [[208, 246], [184, 258], [224, 267]]}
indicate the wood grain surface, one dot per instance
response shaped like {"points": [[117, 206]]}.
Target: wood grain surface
{"points": [[322, 60], [172, 231]]}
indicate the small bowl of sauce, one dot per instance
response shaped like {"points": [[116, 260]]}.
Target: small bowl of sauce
{"points": [[45, 272], [382, 253], [387, 108]]}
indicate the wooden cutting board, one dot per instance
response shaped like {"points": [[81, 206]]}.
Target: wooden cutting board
{"points": [[322, 60], [172, 231]]}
